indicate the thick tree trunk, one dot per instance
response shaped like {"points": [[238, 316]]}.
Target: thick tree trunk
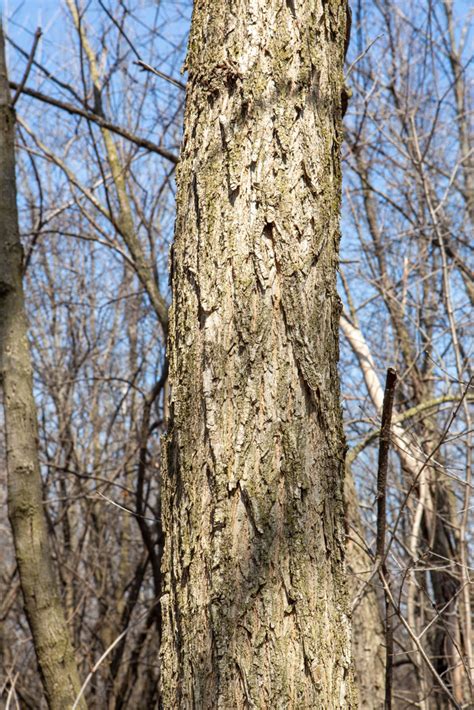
{"points": [[255, 610], [25, 498]]}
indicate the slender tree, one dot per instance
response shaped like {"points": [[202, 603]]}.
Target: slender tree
{"points": [[255, 610], [43, 605], [97, 353]]}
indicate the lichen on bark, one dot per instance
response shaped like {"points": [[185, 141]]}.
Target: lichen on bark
{"points": [[255, 609]]}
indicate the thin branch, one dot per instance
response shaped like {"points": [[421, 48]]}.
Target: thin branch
{"points": [[146, 67], [417, 643], [354, 452], [104, 656], [362, 55], [29, 64], [99, 121]]}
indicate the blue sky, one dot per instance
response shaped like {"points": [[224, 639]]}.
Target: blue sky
{"points": [[22, 17]]}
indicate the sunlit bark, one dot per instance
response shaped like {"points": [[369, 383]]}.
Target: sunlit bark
{"points": [[255, 610]]}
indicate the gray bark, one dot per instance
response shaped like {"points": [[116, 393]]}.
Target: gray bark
{"points": [[255, 609]]}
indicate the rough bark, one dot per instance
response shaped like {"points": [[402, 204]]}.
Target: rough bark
{"points": [[25, 498], [255, 609]]}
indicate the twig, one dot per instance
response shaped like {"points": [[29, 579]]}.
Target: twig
{"points": [[162, 75], [417, 643], [127, 510], [427, 461], [362, 55], [29, 64], [105, 654]]}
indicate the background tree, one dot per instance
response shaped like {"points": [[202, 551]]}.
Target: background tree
{"points": [[97, 339], [43, 604]]}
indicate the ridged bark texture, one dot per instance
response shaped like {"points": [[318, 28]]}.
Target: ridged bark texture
{"points": [[25, 497], [255, 610]]}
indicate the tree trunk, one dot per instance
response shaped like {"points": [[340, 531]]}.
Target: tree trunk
{"points": [[255, 609], [25, 497]]}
